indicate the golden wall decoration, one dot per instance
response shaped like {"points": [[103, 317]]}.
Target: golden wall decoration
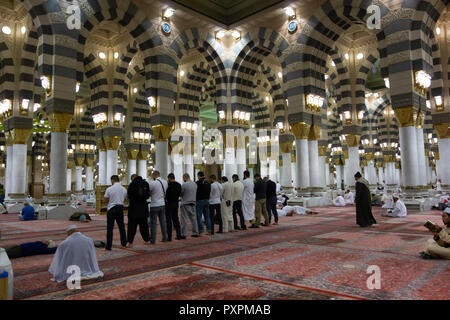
{"points": [[301, 130]]}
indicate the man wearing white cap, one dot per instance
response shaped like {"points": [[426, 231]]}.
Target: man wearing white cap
{"points": [[399, 209], [77, 250]]}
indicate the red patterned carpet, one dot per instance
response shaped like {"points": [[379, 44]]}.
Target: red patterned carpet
{"points": [[323, 256]]}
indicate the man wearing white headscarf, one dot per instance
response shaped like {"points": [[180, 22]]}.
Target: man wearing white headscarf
{"points": [[77, 250], [399, 209], [248, 198], [339, 202]]}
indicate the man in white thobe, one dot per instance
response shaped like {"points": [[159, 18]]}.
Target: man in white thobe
{"points": [[388, 201], [349, 197], [248, 198], [399, 209], [79, 251], [339, 202], [227, 205]]}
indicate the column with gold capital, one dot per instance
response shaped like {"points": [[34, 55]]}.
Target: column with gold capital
{"points": [[161, 134], [102, 179], [89, 185], [9, 163], [142, 163], [352, 165], [301, 132], [132, 162], [421, 150], [443, 133], [19, 155], [407, 117], [112, 156], [59, 123], [79, 162], [313, 153], [286, 142]]}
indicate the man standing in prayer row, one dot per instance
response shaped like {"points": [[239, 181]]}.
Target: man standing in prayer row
{"points": [[202, 203], [158, 189], [214, 203], [260, 202], [115, 195], [77, 250], [364, 217], [188, 198], [172, 197], [227, 208], [238, 191], [271, 199], [138, 193], [248, 198]]}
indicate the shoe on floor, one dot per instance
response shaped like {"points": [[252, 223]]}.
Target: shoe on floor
{"points": [[254, 226], [194, 236]]}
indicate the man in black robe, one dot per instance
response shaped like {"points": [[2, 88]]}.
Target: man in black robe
{"points": [[138, 193], [364, 217]]}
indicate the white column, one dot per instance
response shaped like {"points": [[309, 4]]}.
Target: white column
{"points": [[273, 170], [352, 166], [241, 160], [68, 180], [8, 170], [89, 179], [102, 180], [178, 167], [429, 170], [286, 171], [58, 163], [302, 155], [162, 149], [189, 166], [381, 177], [371, 174], [421, 157], [78, 179], [444, 162], [19, 169], [314, 171], [131, 168], [389, 174], [230, 166], [339, 170], [410, 164], [142, 169], [294, 174], [112, 157], [327, 173], [264, 170]]}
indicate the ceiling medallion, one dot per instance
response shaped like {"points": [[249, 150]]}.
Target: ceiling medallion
{"points": [[166, 28], [292, 26]]}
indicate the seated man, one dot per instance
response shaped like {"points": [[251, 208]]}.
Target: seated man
{"points": [[81, 217], [77, 250], [27, 212], [339, 202], [31, 249], [388, 200], [439, 246], [349, 197], [399, 209]]}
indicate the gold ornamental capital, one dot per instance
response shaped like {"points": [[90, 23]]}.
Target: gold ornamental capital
{"points": [[301, 130], [286, 147], [59, 121], [352, 140], [112, 143], [442, 130], [161, 132], [142, 155], [89, 162], [20, 136], [314, 133], [406, 116], [132, 154], [322, 151]]}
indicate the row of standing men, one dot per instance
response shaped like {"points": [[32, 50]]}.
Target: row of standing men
{"points": [[228, 204]]}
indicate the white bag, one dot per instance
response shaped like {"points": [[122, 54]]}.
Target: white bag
{"points": [[5, 264]]}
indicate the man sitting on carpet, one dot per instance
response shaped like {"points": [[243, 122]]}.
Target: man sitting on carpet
{"points": [[349, 197], [77, 250], [439, 246], [339, 202], [27, 213], [31, 249], [388, 200], [399, 210]]}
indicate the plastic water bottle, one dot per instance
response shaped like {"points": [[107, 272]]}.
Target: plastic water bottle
{"points": [[5, 264]]}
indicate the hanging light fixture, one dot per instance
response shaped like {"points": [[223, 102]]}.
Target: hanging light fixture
{"points": [[422, 81], [46, 83], [152, 104], [6, 30]]}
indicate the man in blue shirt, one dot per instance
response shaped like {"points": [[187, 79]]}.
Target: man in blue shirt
{"points": [[31, 249], [27, 213]]}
